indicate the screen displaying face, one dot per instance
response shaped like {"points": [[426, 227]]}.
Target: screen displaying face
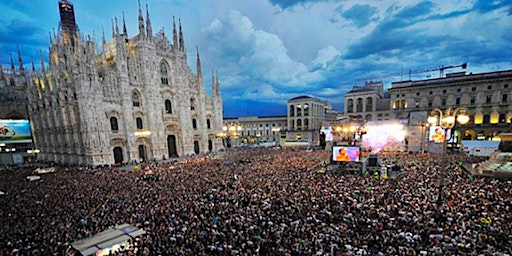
{"points": [[437, 134], [345, 154]]}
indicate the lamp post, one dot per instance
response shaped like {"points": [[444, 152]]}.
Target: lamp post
{"points": [[34, 153], [232, 129], [275, 131], [447, 121]]}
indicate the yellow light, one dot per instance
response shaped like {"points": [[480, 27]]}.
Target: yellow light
{"points": [[224, 128], [463, 119], [450, 120], [432, 120]]}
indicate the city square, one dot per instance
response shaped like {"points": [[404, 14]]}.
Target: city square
{"points": [[386, 132]]}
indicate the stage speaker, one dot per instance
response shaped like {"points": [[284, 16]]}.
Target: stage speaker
{"points": [[372, 160]]}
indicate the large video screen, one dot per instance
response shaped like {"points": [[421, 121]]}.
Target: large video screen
{"points": [[346, 154], [437, 134], [15, 131]]}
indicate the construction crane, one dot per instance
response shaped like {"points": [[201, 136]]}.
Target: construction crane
{"points": [[418, 71]]}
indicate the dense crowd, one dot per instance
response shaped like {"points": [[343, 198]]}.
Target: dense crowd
{"points": [[262, 201]]}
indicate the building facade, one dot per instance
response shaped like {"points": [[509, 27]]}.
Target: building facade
{"points": [[486, 97], [368, 102], [254, 129], [135, 100]]}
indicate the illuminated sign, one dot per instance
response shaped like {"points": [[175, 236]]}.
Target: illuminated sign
{"points": [[15, 131]]}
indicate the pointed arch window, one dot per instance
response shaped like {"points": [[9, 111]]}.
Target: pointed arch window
{"points": [[139, 124], [164, 73], [168, 107], [136, 98], [194, 123], [192, 104], [113, 124], [208, 124]]}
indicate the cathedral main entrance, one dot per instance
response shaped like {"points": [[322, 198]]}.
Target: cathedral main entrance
{"points": [[118, 155], [171, 146], [142, 152]]}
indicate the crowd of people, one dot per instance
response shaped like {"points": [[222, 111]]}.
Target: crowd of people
{"points": [[262, 201]]}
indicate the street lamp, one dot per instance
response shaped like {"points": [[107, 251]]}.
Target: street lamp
{"points": [[275, 131], [232, 129], [34, 153], [447, 120]]}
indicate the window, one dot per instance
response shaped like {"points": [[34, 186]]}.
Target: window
{"points": [[192, 104], [444, 91], [473, 89], [306, 109], [138, 121], [194, 123], [458, 90], [504, 98], [488, 99], [359, 105], [505, 86], [430, 92], [306, 123], [489, 87], [113, 124], [430, 103], [369, 104], [443, 102], [168, 107], [299, 110], [473, 99], [457, 101], [163, 73], [136, 99], [350, 106], [292, 110], [208, 124], [417, 94]]}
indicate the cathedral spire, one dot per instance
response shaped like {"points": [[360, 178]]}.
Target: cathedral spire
{"points": [[51, 40], [113, 29], [199, 72], [117, 27], [42, 61], [103, 40], [20, 61], [141, 22], [174, 34], [182, 40], [33, 66], [125, 31], [12, 63], [149, 28]]}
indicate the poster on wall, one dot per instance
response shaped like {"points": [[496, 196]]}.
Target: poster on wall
{"points": [[437, 134], [15, 131]]}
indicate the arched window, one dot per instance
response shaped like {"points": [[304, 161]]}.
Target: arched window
{"points": [[306, 110], [503, 118], [487, 119], [292, 110], [136, 98], [350, 106], [208, 124], [299, 111], [194, 123], [403, 104], [168, 107], [306, 123], [369, 104], [359, 105], [299, 123], [163, 73], [138, 122], [192, 104], [113, 124], [292, 125]]}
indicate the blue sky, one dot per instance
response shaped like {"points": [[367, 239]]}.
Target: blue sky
{"points": [[268, 51]]}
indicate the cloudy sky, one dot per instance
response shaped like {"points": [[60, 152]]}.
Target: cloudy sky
{"points": [[268, 51]]}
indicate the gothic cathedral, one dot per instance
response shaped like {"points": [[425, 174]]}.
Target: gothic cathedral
{"points": [[136, 100]]}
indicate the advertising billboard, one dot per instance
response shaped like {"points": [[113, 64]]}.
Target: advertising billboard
{"points": [[329, 133], [15, 131], [346, 154]]}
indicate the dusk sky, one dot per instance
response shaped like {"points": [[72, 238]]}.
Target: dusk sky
{"points": [[268, 51]]}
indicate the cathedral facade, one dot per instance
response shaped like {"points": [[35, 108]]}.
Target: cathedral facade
{"points": [[136, 99]]}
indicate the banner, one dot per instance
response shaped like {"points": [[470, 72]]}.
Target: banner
{"points": [[15, 131]]}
